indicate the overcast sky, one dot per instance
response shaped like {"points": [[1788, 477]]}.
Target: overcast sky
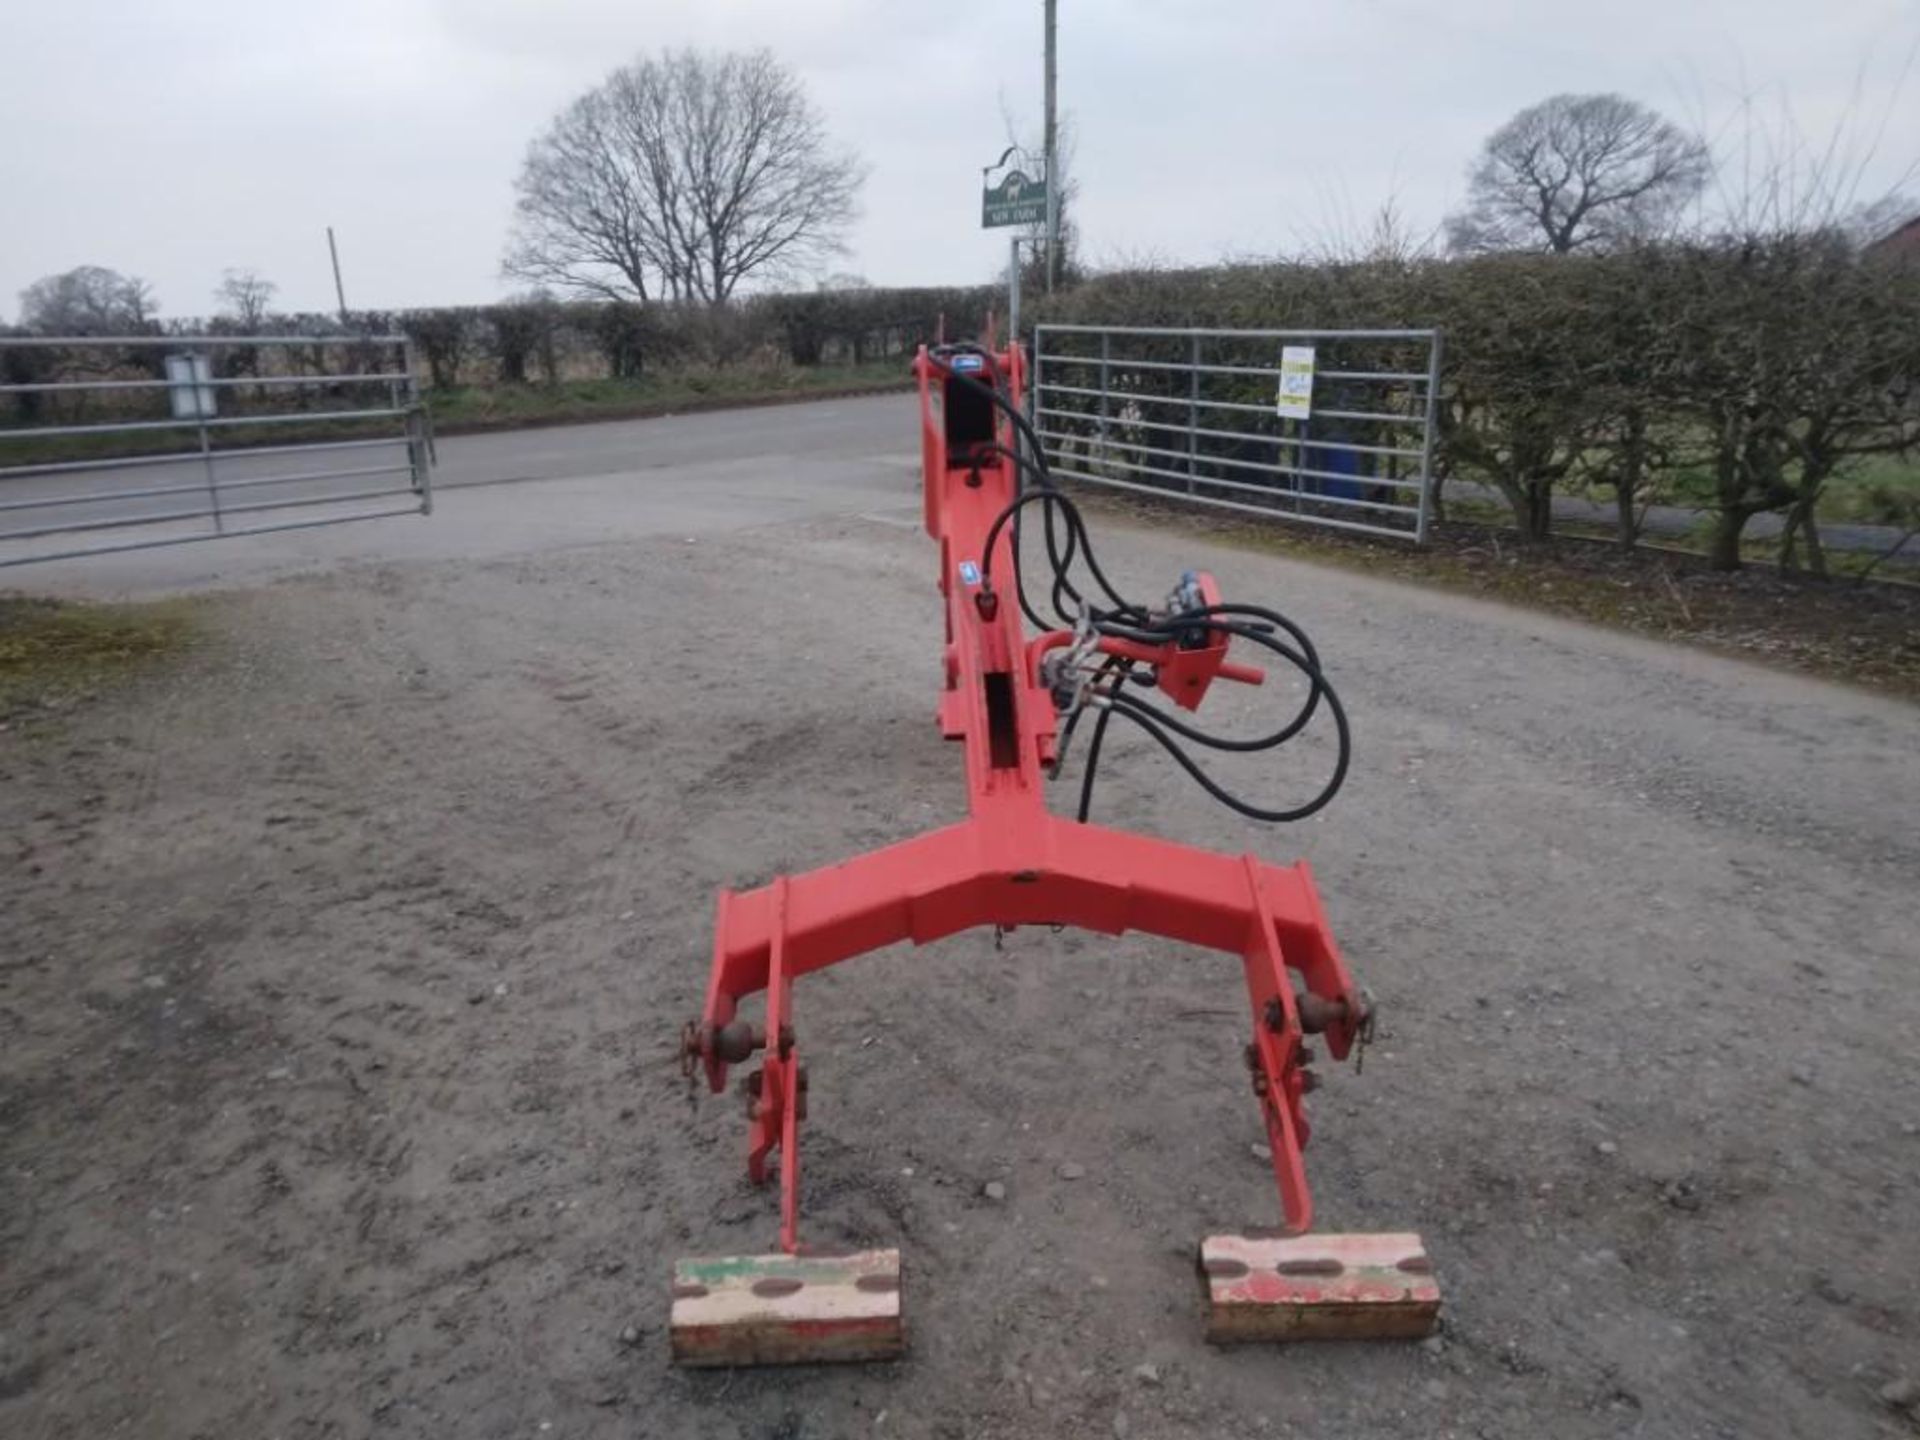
{"points": [[172, 140]]}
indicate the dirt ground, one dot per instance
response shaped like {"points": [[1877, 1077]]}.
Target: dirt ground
{"points": [[341, 963]]}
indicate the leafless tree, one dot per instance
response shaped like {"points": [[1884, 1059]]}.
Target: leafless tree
{"points": [[679, 177], [1070, 270], [1776, 175], [88, 300], [243, 297], [1387, 236], [1578, 172]]}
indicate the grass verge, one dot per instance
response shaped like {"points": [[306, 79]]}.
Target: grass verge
{"points": [[500, 407], [1863, 634], [55, 654]]}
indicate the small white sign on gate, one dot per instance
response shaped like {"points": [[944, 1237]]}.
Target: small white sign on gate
{"points": [[1295, 398], [187, 377]]}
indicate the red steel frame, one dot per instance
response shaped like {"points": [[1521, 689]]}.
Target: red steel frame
{"points": [[1011, 861]]}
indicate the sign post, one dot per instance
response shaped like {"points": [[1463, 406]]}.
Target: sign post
{"points": [[1016, 198], [1013, 289]]}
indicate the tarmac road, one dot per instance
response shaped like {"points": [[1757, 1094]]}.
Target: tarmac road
{"points": [[621, 480], [616, 480]]}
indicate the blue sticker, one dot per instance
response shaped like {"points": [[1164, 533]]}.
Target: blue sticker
{"points": [[969, 573], [969, 362]]}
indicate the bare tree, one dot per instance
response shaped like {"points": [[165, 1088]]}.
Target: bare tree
{"points": [[88, 300], [243, 297], [681, 176], [1386, 237], [1578, 172], [1070, 271], [1777, 176]]}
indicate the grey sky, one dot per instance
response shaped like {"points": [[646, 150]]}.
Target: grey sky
{"points": [[170, 141]]}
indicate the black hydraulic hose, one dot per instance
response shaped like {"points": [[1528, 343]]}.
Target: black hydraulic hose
{"points": [[1093, 764], [1168, 625], [1079, 541], [1119, 668], [1062, 563], [1012, 508], [1037, 463], [1258, 612], [1234, 802], [1011, 511], [1158, 723], [1034, 617], [1019, 568], [1307, 661], [997, 397], [1132, 622], [1077, 532], [1308, 708], [1107, 667]]}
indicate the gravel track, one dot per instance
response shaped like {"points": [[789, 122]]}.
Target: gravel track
{"points": [[341, 963]]}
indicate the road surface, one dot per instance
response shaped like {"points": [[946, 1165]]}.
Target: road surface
{"points": [[1675, 522], [623, 480], [617, 480]]}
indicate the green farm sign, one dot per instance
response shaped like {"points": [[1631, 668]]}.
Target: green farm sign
{"points": [[1015, 199]]}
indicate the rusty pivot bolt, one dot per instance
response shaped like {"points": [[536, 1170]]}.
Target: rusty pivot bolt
{"points": [[1317, 1012], [735, 1041]]}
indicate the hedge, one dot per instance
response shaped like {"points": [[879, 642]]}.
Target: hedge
{"points": [[1768, 366]]}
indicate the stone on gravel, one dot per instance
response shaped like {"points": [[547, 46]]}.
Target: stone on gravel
{"points": [[1261, 1152], [1900, 1394], [1071, 1171], [1681, 1195], [1147, 1373], [630, 1335], [994, 1191], [1607, 1147]]}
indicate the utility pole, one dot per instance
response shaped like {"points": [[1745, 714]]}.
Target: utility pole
{"points": [[339, 291], [1053, 160]]}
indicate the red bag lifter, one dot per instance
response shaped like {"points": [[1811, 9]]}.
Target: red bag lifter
{"points": [[1013, 703]]}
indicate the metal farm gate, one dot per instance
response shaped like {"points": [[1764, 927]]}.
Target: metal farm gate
{"points": [[130, 442], [1331, 428]]}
